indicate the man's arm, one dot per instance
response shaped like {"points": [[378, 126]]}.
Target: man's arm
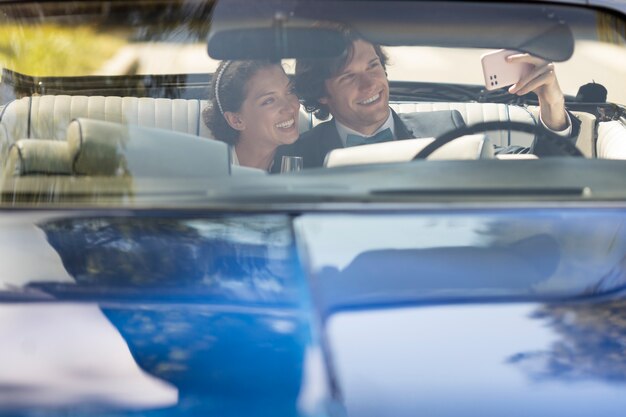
{"points": [[542, 81], [553, 116]]}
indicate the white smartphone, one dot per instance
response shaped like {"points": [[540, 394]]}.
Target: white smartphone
{"points": [[498, 72]]}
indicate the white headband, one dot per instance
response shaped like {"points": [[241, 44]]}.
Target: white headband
{"points": [[217, 86]]}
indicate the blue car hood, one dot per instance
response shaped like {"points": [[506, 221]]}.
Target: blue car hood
{"points": [[505, 311]]}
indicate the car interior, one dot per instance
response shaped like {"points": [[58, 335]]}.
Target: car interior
{"points": [[53, 118]]}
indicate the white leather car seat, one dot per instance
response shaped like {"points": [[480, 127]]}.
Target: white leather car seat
{"points": [[102, 148], [611, 140], [48, 116]]}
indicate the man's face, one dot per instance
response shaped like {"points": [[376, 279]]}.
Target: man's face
{"points": [[358, 95]]}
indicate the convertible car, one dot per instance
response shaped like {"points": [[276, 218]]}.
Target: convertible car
{"points": [[145, 274]]}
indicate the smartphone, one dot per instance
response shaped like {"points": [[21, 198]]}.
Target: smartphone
{"points": [[498, 72]]}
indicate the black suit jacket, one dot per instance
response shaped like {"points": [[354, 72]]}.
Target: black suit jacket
{"points": [[313, 145]]}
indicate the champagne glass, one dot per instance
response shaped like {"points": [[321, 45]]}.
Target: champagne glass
{"points": [[291, 164]]}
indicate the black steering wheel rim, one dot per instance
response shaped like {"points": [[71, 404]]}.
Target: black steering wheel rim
{"points": [[557, 143]]}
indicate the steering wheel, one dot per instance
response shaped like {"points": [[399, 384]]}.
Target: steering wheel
{"points": [[545, 140]]}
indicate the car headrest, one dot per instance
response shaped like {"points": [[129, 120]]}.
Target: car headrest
{"points": [[106, 148], [30, 157]]}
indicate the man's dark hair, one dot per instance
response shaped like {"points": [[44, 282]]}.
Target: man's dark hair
{"points": [[229, 83], [311, 74]]}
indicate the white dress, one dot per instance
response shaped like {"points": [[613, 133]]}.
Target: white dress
{"points": [[234, 160], [233, 156]]}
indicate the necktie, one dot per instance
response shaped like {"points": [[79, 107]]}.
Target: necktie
{"points": [[382, 136]]}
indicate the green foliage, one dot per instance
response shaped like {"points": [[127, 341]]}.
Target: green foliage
{"points": [[52, 50]]}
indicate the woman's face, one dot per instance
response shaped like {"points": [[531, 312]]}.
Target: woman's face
{"points": [[269, 112]]}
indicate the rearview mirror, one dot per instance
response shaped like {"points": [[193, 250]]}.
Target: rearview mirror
{"points": [[275, 43]]}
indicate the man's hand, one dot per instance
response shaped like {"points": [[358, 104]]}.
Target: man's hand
{"points": [[542, 81]]}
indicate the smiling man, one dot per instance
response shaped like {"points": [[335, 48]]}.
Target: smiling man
{"points": [[354, 89], [358, 95]]}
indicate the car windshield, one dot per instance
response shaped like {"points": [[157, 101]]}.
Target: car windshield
{"points": [[110, 103]]}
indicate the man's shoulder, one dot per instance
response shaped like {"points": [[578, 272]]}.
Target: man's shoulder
{"points": [[321, 129], [431, 123], [444, 116], [313, 137]]}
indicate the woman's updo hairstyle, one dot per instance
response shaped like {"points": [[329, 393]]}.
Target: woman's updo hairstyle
{"points": [[228, 91]]}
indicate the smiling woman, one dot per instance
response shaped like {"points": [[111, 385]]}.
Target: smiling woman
{"points": [[254, 109]]}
